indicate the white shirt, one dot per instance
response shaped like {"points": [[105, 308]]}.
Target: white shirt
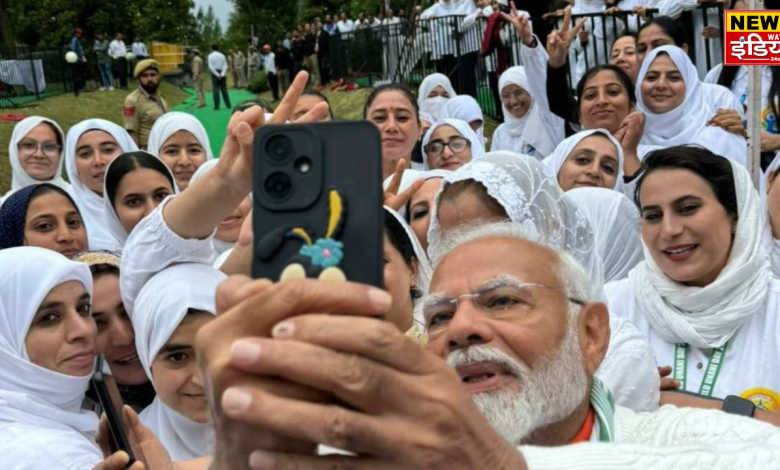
{"points": [[117, 49], [139, 49], [26, 447], [669, 439], [749, 367], [345, 26], [218, 64], [270, 65]]}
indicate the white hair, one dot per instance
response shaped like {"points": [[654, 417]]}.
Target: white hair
{"points": [[570, 272]]}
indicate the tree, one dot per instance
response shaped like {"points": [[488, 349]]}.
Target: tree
{"points": [[208, 28], [50, 23]]}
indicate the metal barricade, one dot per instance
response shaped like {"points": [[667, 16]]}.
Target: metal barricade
{"points": [[603, 29], [28, 74], [707, 11]]}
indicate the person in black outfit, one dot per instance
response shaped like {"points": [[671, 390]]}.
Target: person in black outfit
{"points": [[297, 52], [323, 54], [310, 54]]}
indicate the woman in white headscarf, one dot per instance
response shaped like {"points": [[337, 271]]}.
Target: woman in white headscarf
{"points": [[615, 221], [677, 108], [47, 357], [170, 309], [134, 185], [417, 212], [181, 141], [704, 296], [505, 185], [529, 127], [466, 108], [407, 274], [35, 153], [434, 92], [587, 159], [449, 144], [90, 146]]}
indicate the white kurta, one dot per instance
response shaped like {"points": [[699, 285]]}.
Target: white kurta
{"points": [[670, 439], [750, 366], [25, 447], [152, 247]]}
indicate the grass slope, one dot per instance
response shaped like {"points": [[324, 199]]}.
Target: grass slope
{"points": [[68, 110]]}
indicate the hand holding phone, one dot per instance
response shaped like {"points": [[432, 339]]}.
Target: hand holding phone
{"points": [[110, 402]]}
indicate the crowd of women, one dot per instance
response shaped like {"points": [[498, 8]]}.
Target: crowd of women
{"points": [[641, 177]]}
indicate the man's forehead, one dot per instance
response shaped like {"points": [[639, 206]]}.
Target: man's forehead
{"points": [[479, 261]]}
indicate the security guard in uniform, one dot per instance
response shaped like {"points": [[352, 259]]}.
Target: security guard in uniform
{"points": [[145, 105]]}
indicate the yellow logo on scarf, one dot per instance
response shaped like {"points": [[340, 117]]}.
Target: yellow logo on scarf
{"points": [[763, 398]]}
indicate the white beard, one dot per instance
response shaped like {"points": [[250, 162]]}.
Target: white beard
{"points": [[549, 393]]}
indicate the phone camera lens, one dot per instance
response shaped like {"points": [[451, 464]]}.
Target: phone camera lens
{"points": [[279, 148], [278, 186]]}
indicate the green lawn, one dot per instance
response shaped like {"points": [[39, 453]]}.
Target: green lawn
{"points": [[68, 110]]}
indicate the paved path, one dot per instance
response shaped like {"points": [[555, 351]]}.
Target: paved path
{"points": [[215, 121]]}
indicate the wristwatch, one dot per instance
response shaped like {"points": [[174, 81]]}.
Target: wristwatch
{"points": [[739, 406]]}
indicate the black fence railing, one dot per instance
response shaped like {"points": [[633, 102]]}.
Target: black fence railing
{"points": [[28, 74], [602, 31], [407, 52]]}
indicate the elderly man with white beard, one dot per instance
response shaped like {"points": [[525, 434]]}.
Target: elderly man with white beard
{"points": [[505, 381]]}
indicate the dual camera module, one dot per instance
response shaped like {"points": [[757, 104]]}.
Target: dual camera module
{"points": [[280, 151]]}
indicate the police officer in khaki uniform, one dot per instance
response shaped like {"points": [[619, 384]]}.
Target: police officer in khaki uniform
{"points": [[145, 105], [197, 77]]}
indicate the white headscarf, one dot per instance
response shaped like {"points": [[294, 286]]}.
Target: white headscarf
{"points": [[427, 118], [173, 122], [539, 128], [160, 308], [465, 108], [30, 394], [555, 161], [687, 123], [433, 106], [93, 211], [616, 225], [112, 219], [707, 317], [520, 184], [20, 178], [477, 147], [424, 269]]}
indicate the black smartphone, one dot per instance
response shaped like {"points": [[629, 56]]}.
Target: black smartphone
{"points": [[317, 202], [108, 394]]}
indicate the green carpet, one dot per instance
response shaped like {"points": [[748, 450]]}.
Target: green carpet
{"points": [[215, 121]]}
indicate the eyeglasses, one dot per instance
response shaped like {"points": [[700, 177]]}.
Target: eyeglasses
{"points": [[500, 299], [517, 95], [30, 146], [456, 144]]}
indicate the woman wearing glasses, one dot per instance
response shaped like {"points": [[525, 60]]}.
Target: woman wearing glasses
{"points": [[529, 127], [450, 144], [35, 151]]}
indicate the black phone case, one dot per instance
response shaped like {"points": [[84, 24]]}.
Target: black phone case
{"points": [[342, 219], [118, 439]]}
